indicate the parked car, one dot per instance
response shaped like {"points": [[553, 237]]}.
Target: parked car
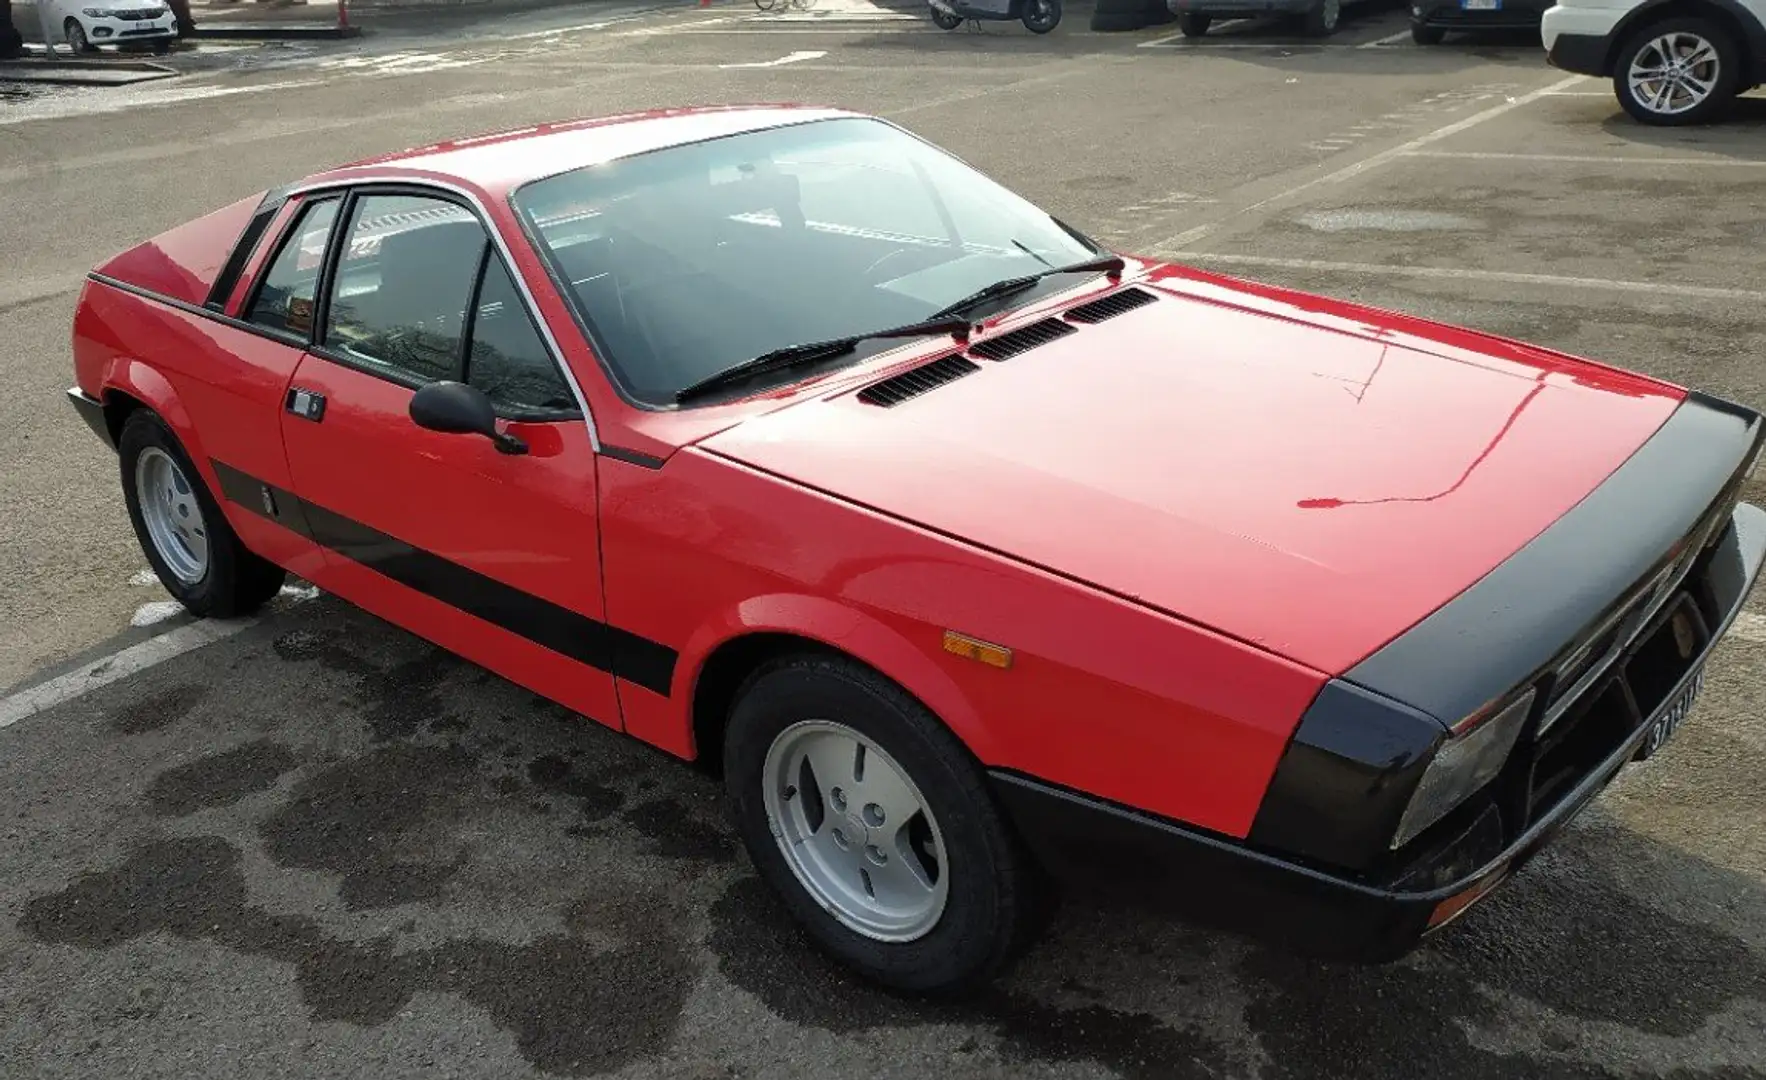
{"points": [[149, 24], [1679, 62], [1431, 20], [963, 548], [1318, 18]]}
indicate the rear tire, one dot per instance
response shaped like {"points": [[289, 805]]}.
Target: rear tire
{"points": [[195, 553], [972, 896], [1041, 16], [1717, 79], [1427, 35], [1194, 24], [946, 21]]}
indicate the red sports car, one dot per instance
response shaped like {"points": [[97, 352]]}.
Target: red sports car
{"points": [[964, 548]]}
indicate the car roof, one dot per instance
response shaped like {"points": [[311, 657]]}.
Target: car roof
{"points": [[499, 162]]}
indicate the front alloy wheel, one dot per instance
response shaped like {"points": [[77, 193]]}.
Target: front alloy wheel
{"points": [[1678, 71], [875, 826]]}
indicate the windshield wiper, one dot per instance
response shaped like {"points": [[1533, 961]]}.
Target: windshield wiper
{"points": [[810, 352], [1109, 263]]}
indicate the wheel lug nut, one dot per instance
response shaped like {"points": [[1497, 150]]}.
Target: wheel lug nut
{"points": [[838, 797], [840, 840], [873, 815], [875, 854]]}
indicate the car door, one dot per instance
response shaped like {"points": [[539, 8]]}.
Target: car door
{"points": [[493, 555]]}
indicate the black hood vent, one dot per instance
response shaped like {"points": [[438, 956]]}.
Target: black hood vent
{"points": [[911, 384], [1108, 307], [1021, 340]]}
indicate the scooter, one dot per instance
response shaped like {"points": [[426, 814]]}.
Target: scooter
{"points": [[1038, 16]]}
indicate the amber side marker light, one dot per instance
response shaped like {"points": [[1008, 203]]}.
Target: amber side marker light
{"points": [[975, 649], [1455, 906]]}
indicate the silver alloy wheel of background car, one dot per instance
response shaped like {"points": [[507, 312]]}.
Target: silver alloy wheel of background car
{"points": [[1674, 73], [172, 515], [855, 831], [76, 36]]}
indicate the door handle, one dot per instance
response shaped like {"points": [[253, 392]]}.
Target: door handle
{"points": [[306, 404]]}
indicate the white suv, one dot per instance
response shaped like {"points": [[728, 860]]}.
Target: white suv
{"points": [[1671, 61], [125, 23]]}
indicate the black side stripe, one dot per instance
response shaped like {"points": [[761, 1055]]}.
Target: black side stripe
{"points": [[569, 633]]}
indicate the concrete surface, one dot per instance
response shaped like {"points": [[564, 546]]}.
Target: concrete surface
{"points": [[319, 848]]}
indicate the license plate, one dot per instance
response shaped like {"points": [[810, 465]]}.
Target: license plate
{"points": [[1480, 5], [1668, 721], [149, 25]]}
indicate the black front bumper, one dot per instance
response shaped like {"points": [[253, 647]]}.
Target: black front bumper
{"points": [[1581, 54], [91, 410], [1448, 15], [1368, 918]]}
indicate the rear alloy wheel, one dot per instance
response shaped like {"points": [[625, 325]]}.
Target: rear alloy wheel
{"points": [[875, 827], [1677, 71], [76, 37], [187, 541], [1194, 23], [1321, 21]]}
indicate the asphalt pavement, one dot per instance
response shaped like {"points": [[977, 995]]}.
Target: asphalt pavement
{"points": [[319, 847]]}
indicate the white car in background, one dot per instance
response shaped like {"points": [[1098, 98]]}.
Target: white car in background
{"points": [[1671, 61], [140, 24]]}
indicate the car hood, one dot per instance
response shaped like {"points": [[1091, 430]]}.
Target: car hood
{"points": [[1309, 483]]}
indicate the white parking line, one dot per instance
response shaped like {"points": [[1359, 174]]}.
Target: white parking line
{"points": [[780, 62], [1374, 161], [1586, 159], [1461, 273], [120, 665], [1402, 35]]}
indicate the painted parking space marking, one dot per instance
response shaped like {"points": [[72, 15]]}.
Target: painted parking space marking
{"points": [[794, 58], [106, 670], [1662, 288], [1373, 161], [1625, 160]]}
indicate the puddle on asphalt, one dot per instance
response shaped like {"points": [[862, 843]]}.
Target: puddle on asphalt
{"points": [[1383, 220]]}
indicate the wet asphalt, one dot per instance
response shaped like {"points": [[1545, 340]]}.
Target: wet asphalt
{"points": [[324, 848]]}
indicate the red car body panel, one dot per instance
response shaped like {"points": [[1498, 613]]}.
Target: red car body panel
{"points": [[704, 550], [1313, 493], [1254, 452]]}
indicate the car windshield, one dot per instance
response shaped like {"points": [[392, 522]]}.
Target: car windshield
{"points": [[686, 261]]}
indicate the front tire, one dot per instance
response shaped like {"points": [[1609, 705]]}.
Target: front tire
{"points": [[875, 827], [1194, 24], [944, 20], [1699, 62], [186, 538], [76, 37], [1321, 20]]}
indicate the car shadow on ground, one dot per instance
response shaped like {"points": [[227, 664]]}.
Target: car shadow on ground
{"points": [[329, 796], [1736, 133]]}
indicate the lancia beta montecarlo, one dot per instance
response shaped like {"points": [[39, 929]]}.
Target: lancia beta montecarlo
{"points": [[963, 548]]}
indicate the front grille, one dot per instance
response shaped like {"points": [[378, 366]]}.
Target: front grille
{"points": [[139, 13]]}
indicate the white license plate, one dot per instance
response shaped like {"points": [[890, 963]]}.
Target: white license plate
{"points": [[149, 25], [1480, 5], [1668, 721]]}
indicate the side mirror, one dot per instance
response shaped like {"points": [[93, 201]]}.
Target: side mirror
{"points": [[454, 408]]}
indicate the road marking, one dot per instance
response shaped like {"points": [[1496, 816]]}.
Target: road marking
{"points": [[1701, 292], [1584, 159], [104, 671], [1374, 161], [138, 657], [780, 62], [1749, 627], [1402, 35], [120, 100]]}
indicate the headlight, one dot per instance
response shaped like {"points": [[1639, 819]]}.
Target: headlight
{"points": [[1467, 761], [98, 12]]}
